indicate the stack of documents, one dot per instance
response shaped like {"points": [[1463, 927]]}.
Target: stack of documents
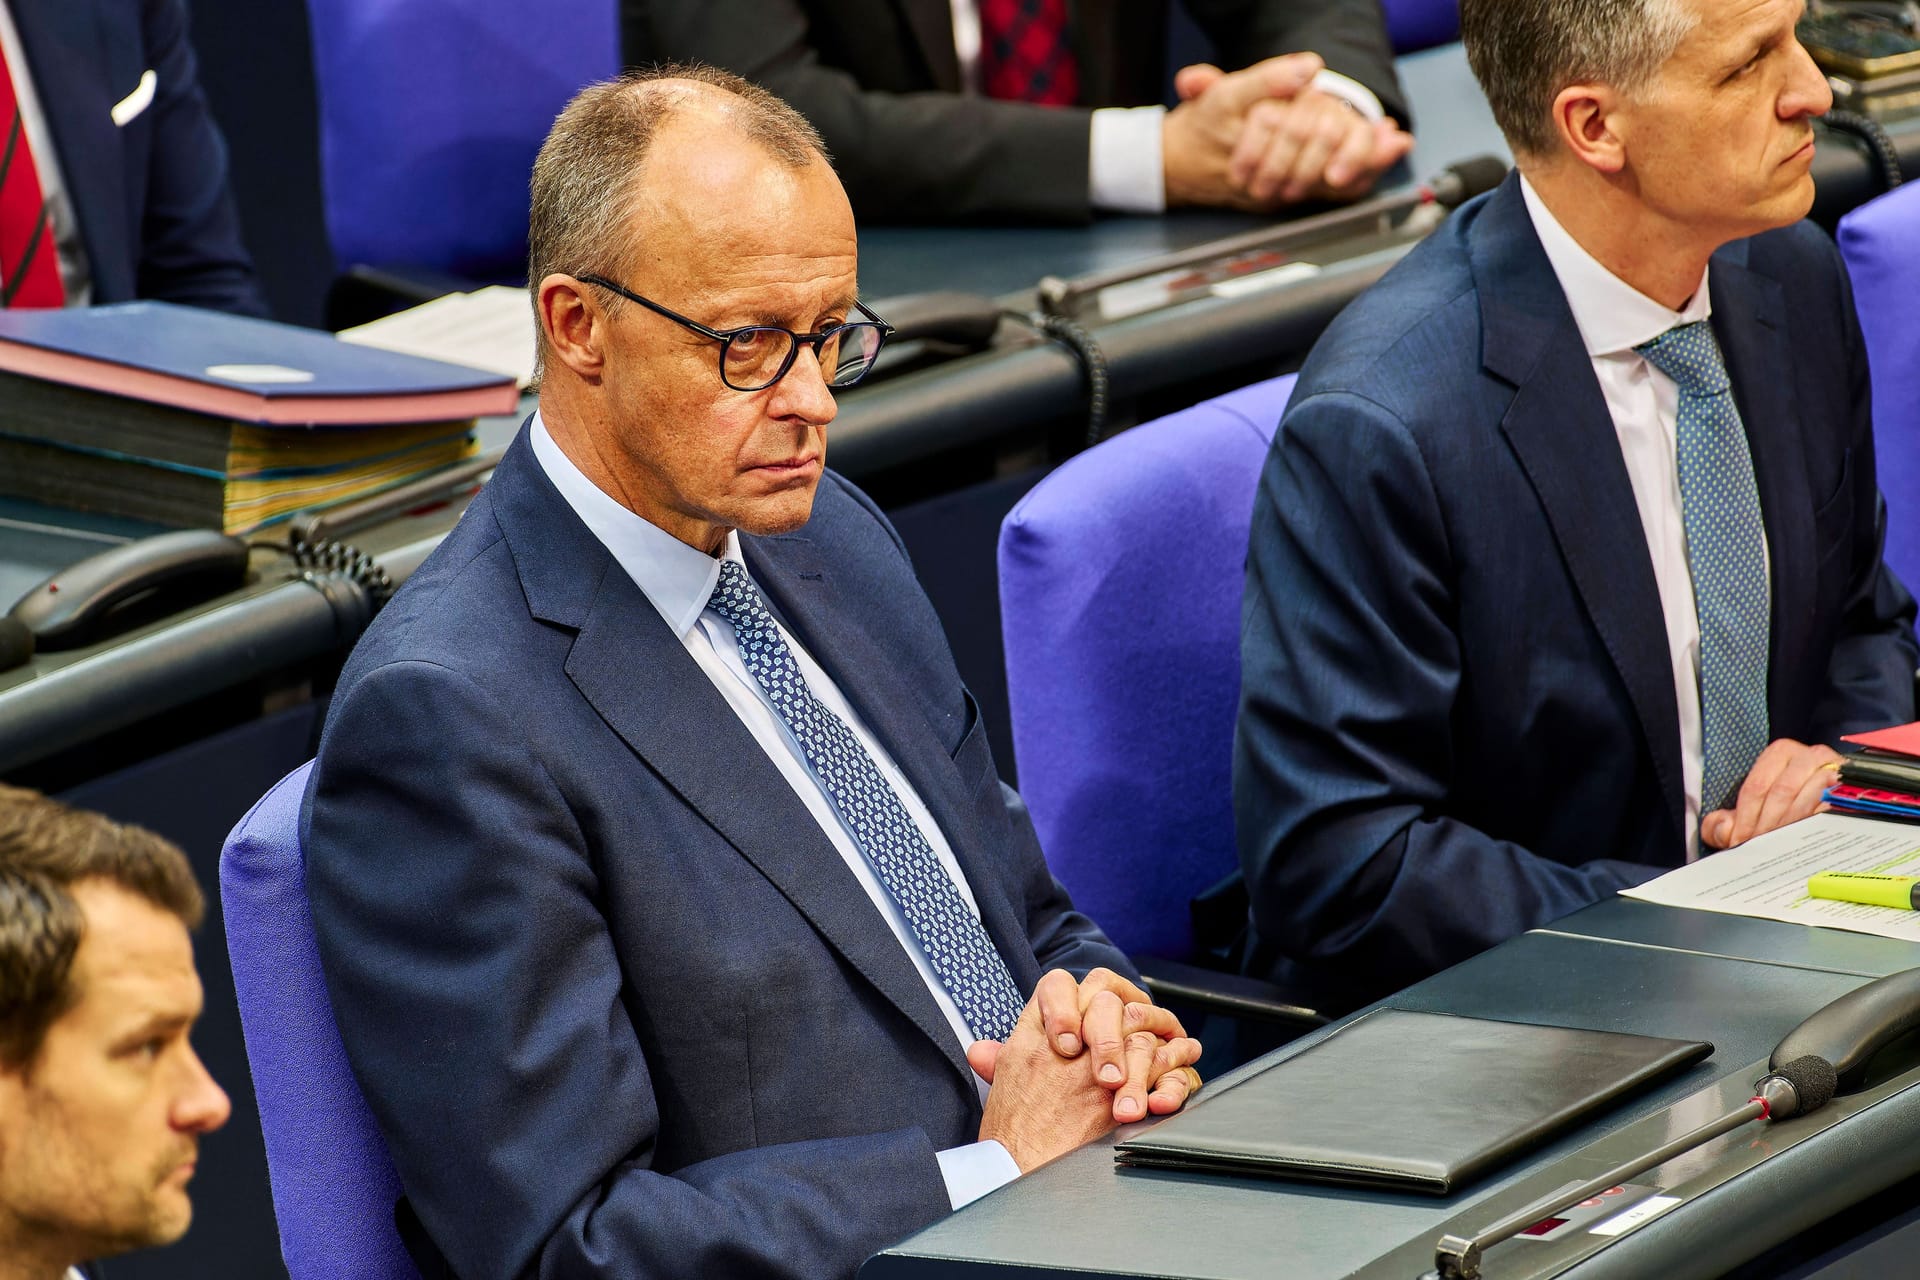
{"points": [[186, 417], [1883, 777], [490, 329], [1767, 876]]}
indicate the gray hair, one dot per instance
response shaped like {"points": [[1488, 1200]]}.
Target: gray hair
{"points": [[589, 168], [1524, 52]]}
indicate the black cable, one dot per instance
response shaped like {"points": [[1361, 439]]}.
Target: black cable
{"points": [[1092, 361], [1868, 129], [337, 557]]}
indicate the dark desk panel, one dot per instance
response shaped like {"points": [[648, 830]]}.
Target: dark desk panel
{"points": [[1645, 924], [1082, 1217]]}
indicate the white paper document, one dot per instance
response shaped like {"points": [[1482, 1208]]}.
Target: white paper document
{"points": [[1767, 876], [489, 329]]}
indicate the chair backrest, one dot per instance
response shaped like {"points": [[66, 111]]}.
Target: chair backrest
{"points": [[334, 1186], [1421, 24], [1881, 243], [430, 115], [1120, 583]]}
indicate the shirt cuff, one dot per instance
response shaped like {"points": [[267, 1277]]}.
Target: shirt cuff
{"points": [[1125, 174], [973, 1170], [1351, 92]]}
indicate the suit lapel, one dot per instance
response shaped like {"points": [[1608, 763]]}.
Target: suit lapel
{"points": [[931, 22], [76, 78], [637, 675], [1750, 323], [800, 585], [1559, 428]]}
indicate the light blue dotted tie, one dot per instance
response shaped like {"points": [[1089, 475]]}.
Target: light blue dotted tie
{"points": [[1726, 553], [951, 935]]}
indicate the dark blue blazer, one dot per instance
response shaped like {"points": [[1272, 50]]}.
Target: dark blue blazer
{"points": [[1457, 712], [151, 196], [618, 1006]]}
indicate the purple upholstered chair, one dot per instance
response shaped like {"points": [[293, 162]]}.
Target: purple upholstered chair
{"points": [[1881, 243], [1421, 24], [334, 1187], [1120, 582], [430, 115]]}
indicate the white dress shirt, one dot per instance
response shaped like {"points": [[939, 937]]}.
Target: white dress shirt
{"points": [[1126, 172], [678, 581], [75, 277], [1614, 318]]}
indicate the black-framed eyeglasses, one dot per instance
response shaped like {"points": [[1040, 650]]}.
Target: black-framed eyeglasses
{"points": [[755, 356]]}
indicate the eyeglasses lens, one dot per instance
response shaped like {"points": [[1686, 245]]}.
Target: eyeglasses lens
{"points": [[850, 353], [754, 356]]}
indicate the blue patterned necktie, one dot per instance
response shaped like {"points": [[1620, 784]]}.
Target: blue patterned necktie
{"points": [[1726, 554], [951, 935]]}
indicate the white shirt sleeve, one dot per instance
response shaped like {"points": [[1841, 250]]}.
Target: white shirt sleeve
{"points": [[975, 1169], [1123, 160]]}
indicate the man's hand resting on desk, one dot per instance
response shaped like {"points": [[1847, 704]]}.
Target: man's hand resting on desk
{"points": [[1262, 137], [1784, 785], [1041, 1105]]}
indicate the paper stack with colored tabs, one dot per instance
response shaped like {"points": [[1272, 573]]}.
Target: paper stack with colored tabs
{"points": [[1882, 778]]}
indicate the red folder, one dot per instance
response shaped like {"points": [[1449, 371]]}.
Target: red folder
{"points": [[1902, 739]]}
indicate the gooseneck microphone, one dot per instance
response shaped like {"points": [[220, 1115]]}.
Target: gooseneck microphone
{"points": [[1803, 1085], [1452, 187], [1824, 1056], [1459, 183]]}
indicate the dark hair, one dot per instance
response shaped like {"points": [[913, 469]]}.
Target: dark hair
{"points": [[1524, 52], [45, 848], [585, 175]]}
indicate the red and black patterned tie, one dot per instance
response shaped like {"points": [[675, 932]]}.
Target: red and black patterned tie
{"points": [[1025, 53], [29, 265]]}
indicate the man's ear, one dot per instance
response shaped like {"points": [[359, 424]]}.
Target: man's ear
{"points": [[573, 323], [1587, 118]]}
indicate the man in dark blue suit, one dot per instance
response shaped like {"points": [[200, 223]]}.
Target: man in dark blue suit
{"points": [[674, 915], [1565, 567], [132, 165]]}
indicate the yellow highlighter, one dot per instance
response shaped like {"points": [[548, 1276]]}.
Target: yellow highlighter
{"points": [[1867, 889]]}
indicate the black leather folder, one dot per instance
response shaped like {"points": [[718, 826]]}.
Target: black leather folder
{"points": [[1409, 1101]]}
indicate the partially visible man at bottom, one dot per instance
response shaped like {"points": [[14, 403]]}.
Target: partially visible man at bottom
{"points": [[102, 1099], [672, 910]]}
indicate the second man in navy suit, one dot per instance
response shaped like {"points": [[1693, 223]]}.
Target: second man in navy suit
{"points": [[1566, 564]]}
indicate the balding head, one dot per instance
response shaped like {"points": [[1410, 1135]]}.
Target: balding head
{"points": [[592, 172]]}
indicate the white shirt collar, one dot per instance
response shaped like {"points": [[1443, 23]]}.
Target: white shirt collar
{"points": [[677, 579], [1612, 315]]}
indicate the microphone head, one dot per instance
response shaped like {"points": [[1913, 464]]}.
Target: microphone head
{"points": [[16, 642], [1813, 1080], [1461, 182]]}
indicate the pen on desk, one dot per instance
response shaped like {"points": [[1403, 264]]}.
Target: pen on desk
{"points": [[1867, 889]]}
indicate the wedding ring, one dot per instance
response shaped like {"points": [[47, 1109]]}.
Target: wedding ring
{"points": [[1193, 1080]]}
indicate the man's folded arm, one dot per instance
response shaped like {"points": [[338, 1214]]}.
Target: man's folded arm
{"points": [[485, 1015], [1343, 758], [189, 234], [924, 156]]}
